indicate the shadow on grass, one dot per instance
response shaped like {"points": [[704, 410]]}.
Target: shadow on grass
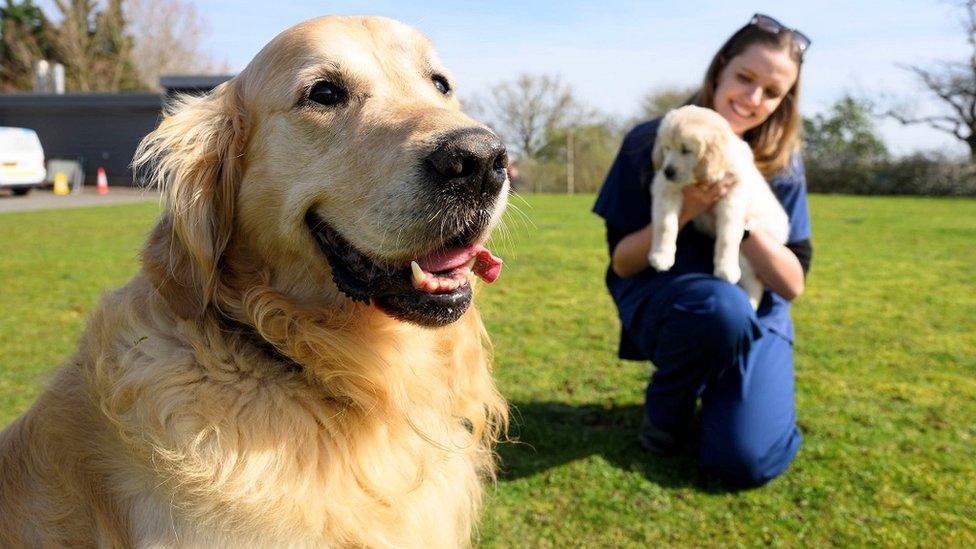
{"points": [[551, 434]]}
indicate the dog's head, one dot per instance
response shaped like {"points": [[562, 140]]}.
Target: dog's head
{"points": [[691, 146], [337, 165]]}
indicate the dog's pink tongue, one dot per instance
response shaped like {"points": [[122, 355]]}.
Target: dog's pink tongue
{"points": [[486, 266]]}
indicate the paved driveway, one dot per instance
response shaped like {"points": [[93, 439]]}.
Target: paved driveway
{"points": [[44, 199]]}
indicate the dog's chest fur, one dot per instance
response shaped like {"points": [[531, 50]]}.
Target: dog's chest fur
{"points": [[211, 446]]}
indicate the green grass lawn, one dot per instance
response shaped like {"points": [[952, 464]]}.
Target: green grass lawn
{"points": [[885, 361]]}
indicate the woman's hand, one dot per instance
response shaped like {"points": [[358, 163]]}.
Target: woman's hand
{"points": [[700, 198]]}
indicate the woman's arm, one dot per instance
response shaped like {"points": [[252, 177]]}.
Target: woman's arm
{"points": [[630, 255], [783, 268], [775, 264]]}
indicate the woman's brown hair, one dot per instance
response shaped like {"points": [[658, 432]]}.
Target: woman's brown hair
{"points": [[777, 138]]}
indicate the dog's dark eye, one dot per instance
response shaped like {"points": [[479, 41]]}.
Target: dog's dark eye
{"points": [[684, 150], [441, 84], [327, 93]]}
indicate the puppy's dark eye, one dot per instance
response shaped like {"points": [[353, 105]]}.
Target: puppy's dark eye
{"points": [[441, 84], [684, 149], [327, 93]]}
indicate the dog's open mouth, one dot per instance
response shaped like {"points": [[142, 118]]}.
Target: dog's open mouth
{"points": [[433, 290]]}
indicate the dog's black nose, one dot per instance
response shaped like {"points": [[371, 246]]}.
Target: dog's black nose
{"points": [[472, 160], [669, 172]]}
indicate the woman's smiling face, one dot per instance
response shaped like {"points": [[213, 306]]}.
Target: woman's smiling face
{"points": [[752, 85]]}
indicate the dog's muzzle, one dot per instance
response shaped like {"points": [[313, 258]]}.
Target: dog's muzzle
{"points": [[462, 178]]}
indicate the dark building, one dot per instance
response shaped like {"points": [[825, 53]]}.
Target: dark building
{"points": [[190, 85], [99, 129]]}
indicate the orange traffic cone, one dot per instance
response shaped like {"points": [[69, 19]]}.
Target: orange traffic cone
{"points": [[102, 181]]}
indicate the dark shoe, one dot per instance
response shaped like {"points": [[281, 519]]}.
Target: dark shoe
{"points": [[655, 440]]}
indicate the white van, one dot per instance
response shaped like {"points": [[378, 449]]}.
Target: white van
{"points": [[21, 160]]}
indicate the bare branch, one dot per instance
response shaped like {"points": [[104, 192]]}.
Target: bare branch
{"points": [[167, 36], [941, 123], [951, 90], [969, 25], [954, 83], [523, 110]]}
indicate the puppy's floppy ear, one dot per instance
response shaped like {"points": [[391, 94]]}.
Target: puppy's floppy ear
{"points": [[194, 157], [713, 157], [657, 155]]}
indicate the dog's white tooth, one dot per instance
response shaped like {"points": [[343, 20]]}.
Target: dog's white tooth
{"points": [[418, 273], [471, 261]]}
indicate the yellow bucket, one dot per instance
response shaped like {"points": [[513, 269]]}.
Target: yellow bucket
{"points": [[61, 184]]}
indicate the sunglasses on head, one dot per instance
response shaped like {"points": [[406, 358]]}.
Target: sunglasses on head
{"points": [[772, 26]]}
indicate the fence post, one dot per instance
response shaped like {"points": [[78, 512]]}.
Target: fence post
{"points": [[570, 163]]}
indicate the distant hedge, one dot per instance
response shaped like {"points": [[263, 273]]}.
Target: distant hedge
{"points": [[918, 174]]}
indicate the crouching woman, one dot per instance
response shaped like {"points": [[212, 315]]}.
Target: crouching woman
{"points": [[701, 333]]}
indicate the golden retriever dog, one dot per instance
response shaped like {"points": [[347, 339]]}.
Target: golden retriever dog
{"points": [[297, 363], [695, 145]]}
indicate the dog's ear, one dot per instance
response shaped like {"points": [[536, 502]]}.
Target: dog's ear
{"points": [[195, 158], [713, 157], [172, 271], [657, 155]]}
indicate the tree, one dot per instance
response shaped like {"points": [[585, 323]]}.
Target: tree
{"points": [[954, 84], [94, 47], [523, 110], [25, 37], [657, 102], [91, 43], [844, 135], [167, 40], [842, 146], [581, 153]]}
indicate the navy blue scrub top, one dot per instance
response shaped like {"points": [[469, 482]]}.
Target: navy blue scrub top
{"points": [[625, 203]]}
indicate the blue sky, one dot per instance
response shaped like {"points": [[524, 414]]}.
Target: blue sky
{"points": [[612, 52]]}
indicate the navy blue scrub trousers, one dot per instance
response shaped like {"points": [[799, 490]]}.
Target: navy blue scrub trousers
{"points": [[706, 342]]}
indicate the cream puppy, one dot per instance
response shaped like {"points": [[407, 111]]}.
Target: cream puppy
{"points": [[696, 145]]}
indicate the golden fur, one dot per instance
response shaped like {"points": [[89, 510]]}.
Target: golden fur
{"points": [[175, 425]]}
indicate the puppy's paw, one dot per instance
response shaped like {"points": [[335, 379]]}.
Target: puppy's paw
{"points": [[730, 273], [661, 260]]}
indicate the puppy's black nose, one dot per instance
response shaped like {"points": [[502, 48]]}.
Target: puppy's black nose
{"points": [[669, 172], [470, 160]]}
